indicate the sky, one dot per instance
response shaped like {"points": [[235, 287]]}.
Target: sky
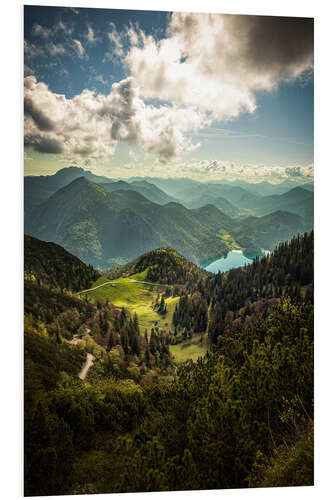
{"points": [[127, 93]]}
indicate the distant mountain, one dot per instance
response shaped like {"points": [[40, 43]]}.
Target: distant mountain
{"points": [[189, 192], [39, 188], [105, 229], [309, 186], [268, 231], [219, 202], [297, 201], [266, 188], [173, 187], [148, 190], [99, 226]]}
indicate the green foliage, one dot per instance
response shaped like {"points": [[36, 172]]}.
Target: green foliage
{"points": [[291, 464], [50, 265], [242, 415], [241, 296]]}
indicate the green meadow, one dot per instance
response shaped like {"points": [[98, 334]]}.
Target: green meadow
{"points": [[228, 239], [136, 297], [190, 349]]}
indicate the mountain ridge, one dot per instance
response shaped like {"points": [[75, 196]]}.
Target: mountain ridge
{"points": [[109, 228]]}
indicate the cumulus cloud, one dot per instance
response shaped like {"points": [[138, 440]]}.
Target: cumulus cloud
{"points": [[208, 67], [217, 62], [304, 171], [229, 171], [90, 125]]}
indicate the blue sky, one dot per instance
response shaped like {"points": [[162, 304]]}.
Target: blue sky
{"points": [[128, 93]]}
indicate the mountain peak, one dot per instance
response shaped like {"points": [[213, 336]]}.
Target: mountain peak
{"points": [[68, 170], [164, 265]]}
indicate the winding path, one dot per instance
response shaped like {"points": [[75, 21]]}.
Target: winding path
{"points": [[84, 370], [120, 282]]}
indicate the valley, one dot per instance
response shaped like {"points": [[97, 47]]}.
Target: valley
{"points": [[234, 259], [159, 336], [136, 296], [168, 252], [106, 224], [133, 352]]}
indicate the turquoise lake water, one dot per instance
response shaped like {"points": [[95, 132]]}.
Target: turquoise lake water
{"points": [[235, 258]]}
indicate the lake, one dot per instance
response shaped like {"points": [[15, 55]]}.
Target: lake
{"points": [[235, 258]]}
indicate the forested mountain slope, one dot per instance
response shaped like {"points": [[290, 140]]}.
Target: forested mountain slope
{"points": [[104, 228], [237, 299], [51, 265], [97, 225], [241, 416], [39, 188], [163, 265], [297, 201]]}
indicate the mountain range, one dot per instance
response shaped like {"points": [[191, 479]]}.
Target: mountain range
{"points": [[297, 201], [39, 188], [148, 190], [236, 199], [106, 228]]}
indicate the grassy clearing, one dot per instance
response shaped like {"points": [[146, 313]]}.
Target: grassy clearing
{"points": [[228, 240], [140, 276], [136, 297], [190, 349]]}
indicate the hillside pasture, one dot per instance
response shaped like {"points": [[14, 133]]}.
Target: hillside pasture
{"points": [[136, 297]]}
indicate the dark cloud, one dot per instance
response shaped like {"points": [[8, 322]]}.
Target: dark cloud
{"points": [[38, 116], [274, 43], [43, 144], [294, 171], [218, 63]]}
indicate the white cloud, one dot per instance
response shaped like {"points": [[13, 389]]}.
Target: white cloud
{"points": [[90, 125], [229, 171], [218, 62], [108, 56], [91, 39], [38, 30], [208, 67], [79, 49], [74, 10], [116, 43], [100, 79], [31, 50], [63, 27], [56, 49]]}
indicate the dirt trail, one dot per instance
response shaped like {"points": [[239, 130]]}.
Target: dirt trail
{"points": [[89, 361], [114, 283]]}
